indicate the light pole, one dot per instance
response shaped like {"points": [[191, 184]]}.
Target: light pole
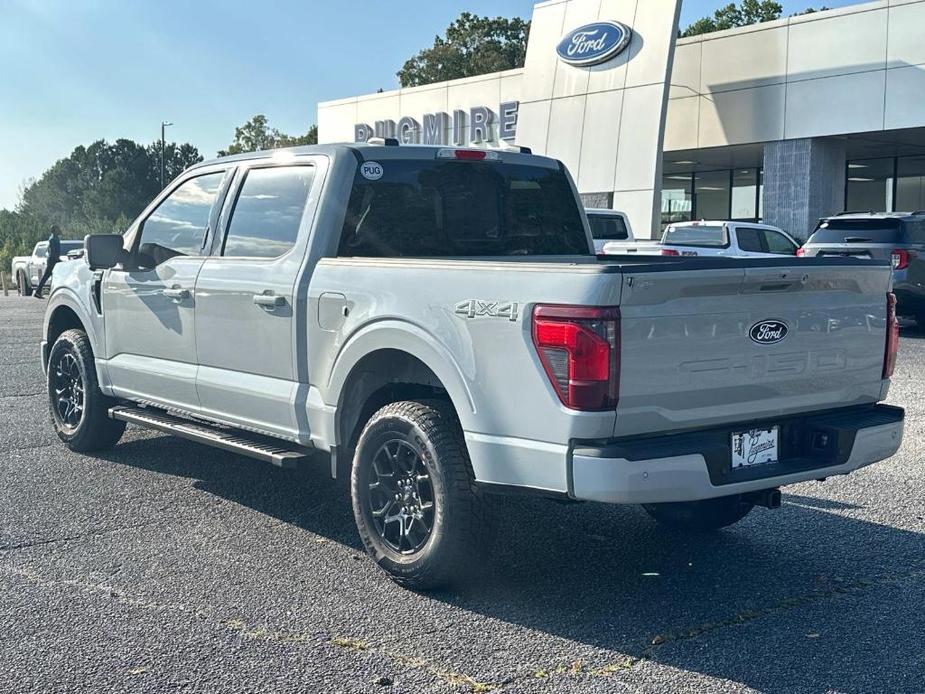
{"points": [[164, 124]]}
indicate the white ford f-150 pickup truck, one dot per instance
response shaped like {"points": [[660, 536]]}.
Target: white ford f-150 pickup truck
{"points": [[727, 239], [436, 319], [27, 270], [613, 235]]}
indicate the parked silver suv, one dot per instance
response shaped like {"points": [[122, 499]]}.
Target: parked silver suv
{"points": [[895, 236]]}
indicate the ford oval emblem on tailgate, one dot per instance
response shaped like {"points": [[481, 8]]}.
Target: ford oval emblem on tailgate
{"points": [[767, 332]]}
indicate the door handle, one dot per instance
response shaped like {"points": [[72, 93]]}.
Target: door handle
{"points": [[269, 300], [176, 293]]}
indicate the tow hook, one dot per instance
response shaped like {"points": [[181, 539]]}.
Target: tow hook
{"points": [[769, 498]]}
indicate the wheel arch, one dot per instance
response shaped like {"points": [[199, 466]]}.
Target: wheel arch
{"points": [[386, 363], [66, 314]]}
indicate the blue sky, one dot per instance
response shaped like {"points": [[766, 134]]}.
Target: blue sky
{"points": [[74, 71]]}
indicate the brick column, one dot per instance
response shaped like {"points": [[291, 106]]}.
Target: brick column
{"points": [[803, 181]]}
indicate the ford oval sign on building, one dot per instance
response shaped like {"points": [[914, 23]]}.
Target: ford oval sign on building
{"points": [[594, 43]]}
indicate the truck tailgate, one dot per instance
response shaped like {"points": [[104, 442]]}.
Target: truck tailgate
{"points": [[755, 342]]}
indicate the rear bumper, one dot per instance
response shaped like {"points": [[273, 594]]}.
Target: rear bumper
{"points": [[692, 466]]}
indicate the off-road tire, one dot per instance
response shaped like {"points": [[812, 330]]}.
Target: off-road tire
{"points": [[700, 516], [462, 525], [22, 284], [94, 430]]}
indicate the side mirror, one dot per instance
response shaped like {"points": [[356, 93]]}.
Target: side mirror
{"points": [[104, 251]]}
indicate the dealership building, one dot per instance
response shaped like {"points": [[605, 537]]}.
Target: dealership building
{"points": [[783, 122]]}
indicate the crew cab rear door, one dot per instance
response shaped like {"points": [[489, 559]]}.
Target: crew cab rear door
{"points": [[758, 241], [246, 311]]}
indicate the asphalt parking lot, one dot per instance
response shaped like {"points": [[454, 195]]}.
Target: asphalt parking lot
{"points": [[166, 566]]}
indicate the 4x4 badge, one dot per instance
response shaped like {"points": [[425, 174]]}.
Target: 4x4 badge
{"points": [[476, 308]]}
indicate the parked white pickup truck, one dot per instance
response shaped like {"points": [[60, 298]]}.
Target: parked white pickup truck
{"points": [[27, 270], [436, 319], [727, 239], [613, 235]]}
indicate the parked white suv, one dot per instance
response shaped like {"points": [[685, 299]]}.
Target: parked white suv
{"points": [[730, 239]]}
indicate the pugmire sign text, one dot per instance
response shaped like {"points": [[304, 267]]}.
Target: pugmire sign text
{"points": [[477, 125]]}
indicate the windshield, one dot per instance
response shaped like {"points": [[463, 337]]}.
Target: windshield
{"points": [[858, 231], [68, 246], [424, 208], [700, 235], [607, 227]]}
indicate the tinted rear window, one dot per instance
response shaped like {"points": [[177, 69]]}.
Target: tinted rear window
{"points": [[695, 236], [915, 232], [68, 246], [750, 240], [858, 231], [421, 208], [268, 212], [608, 228]]}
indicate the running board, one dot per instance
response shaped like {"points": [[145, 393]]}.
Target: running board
{"points": [[226, 438]]}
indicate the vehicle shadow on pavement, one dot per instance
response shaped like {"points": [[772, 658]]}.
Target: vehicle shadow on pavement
{"points": [[292, 496], [785, 597], [808, 597]]}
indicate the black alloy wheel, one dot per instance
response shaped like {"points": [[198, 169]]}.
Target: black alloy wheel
{"points": [[79, 410], [420, 514], [67, 385], [401, 496]]}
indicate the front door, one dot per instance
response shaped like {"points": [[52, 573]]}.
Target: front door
{"points": [[148, 305], [245, 296]]}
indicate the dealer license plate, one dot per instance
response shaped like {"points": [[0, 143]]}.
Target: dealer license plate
{"points": [[754, 447]]}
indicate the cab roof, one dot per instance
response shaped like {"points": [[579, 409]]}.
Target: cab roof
{"points": [[877, 215], [367, 151]]}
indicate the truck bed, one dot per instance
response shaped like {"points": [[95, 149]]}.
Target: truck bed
{"points": [[686, 360]]}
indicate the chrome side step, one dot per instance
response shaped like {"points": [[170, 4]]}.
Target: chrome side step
{"points": [[226, 438]]}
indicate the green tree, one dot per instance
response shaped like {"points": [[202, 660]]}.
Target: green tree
{"points": [[811, 10], [103, 181], [730, 16], [18, 234], [99, 188], [257, 135], [473, 45]]}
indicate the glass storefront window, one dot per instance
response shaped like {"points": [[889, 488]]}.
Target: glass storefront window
{"points": [[717, 195], [760, 194], [677, 201], [711, 190], [744, 194], [870, 185], [910, 184]]}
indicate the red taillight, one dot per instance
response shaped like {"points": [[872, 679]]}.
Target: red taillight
{"points": [[892, 336], [470, 154], [800, 252], [900, 259], [580, 350], [669, 251]]}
